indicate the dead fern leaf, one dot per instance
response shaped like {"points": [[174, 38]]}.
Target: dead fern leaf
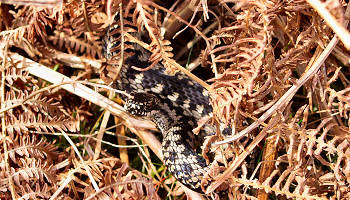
{"points": [[26, 121], [75, 45], [125, 184]]}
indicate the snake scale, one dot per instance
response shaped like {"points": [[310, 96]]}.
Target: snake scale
{"points": [[173, 102]]}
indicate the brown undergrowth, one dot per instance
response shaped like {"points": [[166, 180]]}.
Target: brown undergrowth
{"points": [[275, 72]]}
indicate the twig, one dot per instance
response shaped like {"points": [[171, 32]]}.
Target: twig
{"points": [[101, 131], [332, 22], [93, 182]]}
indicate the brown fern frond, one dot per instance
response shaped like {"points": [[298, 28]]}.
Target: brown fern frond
{"points": [[13, 73], [123, 183], [33, 168], [37, 103], [58, 123], [41, 191], [87, 16], [305, 147], [29, 22], [144, 15], [31, 147], [33, 163], [17, 37], [244, 58], [26, 121], [14, 35], [339, 100], [121, 25], [254, 51], [76, 45], [37, 20]]}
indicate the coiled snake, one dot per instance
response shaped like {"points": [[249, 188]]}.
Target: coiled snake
{"points": [[173, 102]]}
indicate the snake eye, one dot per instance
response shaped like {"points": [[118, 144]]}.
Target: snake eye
{"points": [[141, 104]]}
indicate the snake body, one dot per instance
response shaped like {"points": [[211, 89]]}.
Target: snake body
{"points": [[173, 102]]}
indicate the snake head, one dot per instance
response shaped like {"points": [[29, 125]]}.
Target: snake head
{"points": [[141, 104]]}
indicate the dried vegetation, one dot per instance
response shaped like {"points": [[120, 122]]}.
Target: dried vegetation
{"points": [[274, 70]]}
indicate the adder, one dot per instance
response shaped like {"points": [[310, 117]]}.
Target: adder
{"points": [[174, 103]]}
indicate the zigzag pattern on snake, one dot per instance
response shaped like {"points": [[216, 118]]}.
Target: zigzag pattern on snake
{"points": [[173, 102]]}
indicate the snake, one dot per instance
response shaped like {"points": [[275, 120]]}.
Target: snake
{"points": [[174, 102]]}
